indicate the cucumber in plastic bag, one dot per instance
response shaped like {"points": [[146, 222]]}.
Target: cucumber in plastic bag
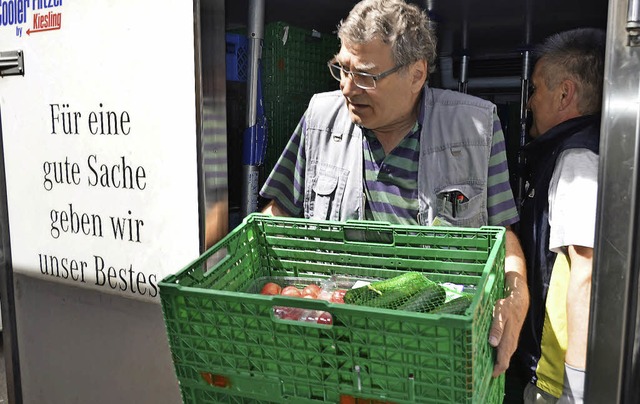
{"points": [[392, 293]]}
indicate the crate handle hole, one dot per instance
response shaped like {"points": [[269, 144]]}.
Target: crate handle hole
{"points": [[370, 235]]}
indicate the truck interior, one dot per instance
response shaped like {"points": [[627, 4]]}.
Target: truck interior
{"points": [[257, 64], [484, 49]]}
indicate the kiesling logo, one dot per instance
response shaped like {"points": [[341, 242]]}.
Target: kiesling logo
{"points": [[42, 15]]}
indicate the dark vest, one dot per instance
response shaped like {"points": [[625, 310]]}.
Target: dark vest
{"points": [[541, 155]]}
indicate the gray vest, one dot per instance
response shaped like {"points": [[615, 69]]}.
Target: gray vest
{"points": [[455, 147]]}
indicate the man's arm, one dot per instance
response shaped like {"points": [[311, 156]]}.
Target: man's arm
{"points": [[274, 209], [578, 302], [510, 312], [216, 223]]}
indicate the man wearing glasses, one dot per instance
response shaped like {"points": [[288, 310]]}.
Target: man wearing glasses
{"points": [[388, 147]]}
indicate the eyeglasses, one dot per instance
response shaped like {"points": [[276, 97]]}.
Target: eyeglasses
{"points": [[365, 81]]}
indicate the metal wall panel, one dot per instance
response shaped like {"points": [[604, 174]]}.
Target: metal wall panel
{"points": [[611, 354], [213, 120]]}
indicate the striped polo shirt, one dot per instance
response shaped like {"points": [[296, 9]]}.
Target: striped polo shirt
{"points": [[391, 181]]}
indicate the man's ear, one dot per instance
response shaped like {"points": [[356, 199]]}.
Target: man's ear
{"points": [[568, 96], [418, 71]]}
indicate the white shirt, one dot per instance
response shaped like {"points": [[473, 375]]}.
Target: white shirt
{"points": [[573, 197]]}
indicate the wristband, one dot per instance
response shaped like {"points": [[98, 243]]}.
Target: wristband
{"points": [[573, 388]]}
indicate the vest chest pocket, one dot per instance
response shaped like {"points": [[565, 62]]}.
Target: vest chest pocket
{"points": [[461, 206], [324, 197]]}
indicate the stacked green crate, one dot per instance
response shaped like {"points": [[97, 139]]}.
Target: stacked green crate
{"points": [[294, 67]]}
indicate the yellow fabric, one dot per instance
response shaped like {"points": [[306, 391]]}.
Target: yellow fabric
{"points": [[550, 369]]}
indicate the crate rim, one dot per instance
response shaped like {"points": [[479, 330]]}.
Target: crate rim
{"points": [[170, 281], [499, 233]]}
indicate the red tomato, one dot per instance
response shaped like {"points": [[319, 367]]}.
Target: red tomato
{"points": [[287, 313], [311, 290], [294, 314], [271, 289], [309, 316], [338, 296], [291, 291], [325, 295], [347, 399], [325, 318], [208, 377], [279, 311]]}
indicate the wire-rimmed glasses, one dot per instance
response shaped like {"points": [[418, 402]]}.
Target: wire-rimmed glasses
{"points": [[365, 81]]}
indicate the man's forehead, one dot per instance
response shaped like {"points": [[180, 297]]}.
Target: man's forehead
{"points": [[537, 70], [345, 58], [541, 65], [366, 55]]}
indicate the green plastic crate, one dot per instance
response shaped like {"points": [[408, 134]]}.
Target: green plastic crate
{"points": [[294, 68], [294, 62], [216, 328]]}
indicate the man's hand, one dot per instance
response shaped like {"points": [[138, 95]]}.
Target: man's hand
{"points": [[509, 313]]}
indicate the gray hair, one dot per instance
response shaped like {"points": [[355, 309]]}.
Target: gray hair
{"points": [[578, 55], [403, 26]]}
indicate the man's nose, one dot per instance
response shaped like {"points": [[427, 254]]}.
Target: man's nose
{"points": [[348, 86]]}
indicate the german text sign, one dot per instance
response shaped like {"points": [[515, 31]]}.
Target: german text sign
{"points": [[99, 139]]}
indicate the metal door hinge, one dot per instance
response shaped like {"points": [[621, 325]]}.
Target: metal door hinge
{"points": [[11, 63], [633, 23]]}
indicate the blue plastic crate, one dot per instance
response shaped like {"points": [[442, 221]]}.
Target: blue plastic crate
{"points": [[236, 57]]}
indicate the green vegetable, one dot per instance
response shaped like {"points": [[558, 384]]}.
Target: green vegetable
{"points": [[390, 293], [359, 295], [457, 305], [426, 300]]}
